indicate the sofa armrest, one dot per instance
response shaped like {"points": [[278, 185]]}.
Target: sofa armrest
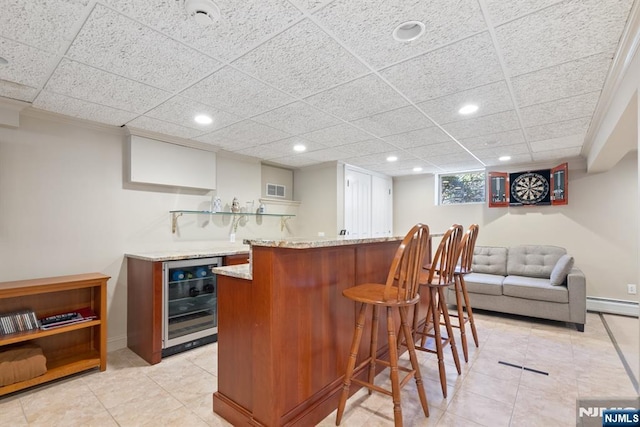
{"points": [[577, 286]]}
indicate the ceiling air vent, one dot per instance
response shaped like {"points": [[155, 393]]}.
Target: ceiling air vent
{"points": [[204, 12], [275, 190]]}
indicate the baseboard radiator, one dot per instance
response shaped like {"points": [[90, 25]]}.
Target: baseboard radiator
{"points": [[613, 306]]}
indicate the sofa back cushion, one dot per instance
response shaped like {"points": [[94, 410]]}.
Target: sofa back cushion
{"points": [[533, 260], [490, 260]]}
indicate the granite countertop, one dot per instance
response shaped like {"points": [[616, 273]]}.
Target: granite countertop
{"points": [[216, 249], [241, 271], [318, 242]]}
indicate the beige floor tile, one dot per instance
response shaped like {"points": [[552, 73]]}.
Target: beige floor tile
{"points": [[11, 413], [144, 407], [450, 420], [502, 390], [543, 407], [480, 409]]}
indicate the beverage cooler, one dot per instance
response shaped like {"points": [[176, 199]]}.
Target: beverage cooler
{"points": [[189, 304]]}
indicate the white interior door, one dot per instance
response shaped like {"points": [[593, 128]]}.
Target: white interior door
{"points": [[357, 203], [381, 206]]}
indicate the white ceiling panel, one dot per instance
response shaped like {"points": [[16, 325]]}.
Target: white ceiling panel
{"points": [[302, 60], [47, 25], [559, 154], [490, 99], [114, 43], [242, 24], [562, 81], [371, 23], [460, 66], [359, 98], [418, 138], [181, 111], [341, 134], [495, 139], [246, 133], [237, 93], [519, 158], [392, 122], [155, 125], [560, 110], [485, 125], [297, 118], [569, 141], [26, 65], [558, 129], [327, 71], [99, 87], [82, 109], [551, 38]]}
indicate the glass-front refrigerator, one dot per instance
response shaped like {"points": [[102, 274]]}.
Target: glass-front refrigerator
{"points": [[190, 304]]}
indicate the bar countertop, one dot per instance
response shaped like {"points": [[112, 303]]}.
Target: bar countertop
{"points": [[318, 242], [215, 250]]}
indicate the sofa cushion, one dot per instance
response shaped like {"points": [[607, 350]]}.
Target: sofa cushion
{"points": [[480, 283], [533, 260], [489, 260], [562, 268], [534, 288]]}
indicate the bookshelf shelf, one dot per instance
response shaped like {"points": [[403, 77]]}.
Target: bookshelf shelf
{"points": [[71, 348]]}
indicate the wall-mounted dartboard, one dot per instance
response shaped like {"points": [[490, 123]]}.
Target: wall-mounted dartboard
{"points": [[530, 188]]}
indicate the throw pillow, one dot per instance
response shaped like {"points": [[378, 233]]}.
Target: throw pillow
{"points": [[561, 269]]}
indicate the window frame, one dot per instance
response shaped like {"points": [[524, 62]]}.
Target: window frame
{"points": [[439, 201]]}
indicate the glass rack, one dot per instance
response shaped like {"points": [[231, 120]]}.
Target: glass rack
{"points": [[237, 217]]}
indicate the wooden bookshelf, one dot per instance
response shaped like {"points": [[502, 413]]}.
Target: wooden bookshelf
{"points": [[69, 349]]}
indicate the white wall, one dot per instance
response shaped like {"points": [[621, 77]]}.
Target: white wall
{"points": [[278, 176], [599, 226], [317, 190], [65, 209]]}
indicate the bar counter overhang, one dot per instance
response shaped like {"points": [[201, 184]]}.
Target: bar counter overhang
{"points": [[284, 328]]}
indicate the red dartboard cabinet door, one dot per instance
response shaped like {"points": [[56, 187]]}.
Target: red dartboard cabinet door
{"points": [[560, 185], [498, 189]]}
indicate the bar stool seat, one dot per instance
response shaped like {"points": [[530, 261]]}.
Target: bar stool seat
{"points": [[399, 292]]}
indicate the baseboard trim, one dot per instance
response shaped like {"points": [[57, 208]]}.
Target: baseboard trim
{"points": [[116, 343], [613, 306]]}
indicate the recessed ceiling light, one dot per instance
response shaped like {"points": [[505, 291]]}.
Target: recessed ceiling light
{"points": [[392, 158], [203, 119], [417, 169], [3, 61], [504, 158], [408, 31], [468, 109], [299, 148]]}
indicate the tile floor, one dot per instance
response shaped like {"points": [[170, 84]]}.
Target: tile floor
{"points": [[178, 390]]}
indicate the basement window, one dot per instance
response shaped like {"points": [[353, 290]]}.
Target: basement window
{"points": [[460, 188]]}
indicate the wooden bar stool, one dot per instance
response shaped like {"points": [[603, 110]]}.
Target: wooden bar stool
{"points": [[462, 297], [399, 292], [438, 276]]}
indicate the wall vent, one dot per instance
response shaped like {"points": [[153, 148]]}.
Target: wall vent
{"points": [[276, 190]]}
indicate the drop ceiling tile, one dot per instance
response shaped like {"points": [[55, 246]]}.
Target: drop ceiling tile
{"points": [[99, 87], [495, 123], [493, 140], [433, 150], [246, 133], [559, 129], [417, 138], [490, 99], [392, 122], [242, 24], [155, 125], [82, 109], [341, 134], [310, 4], [370, 146], [569, 141], [47, 25], [182, 111], [294, 161], [463, 65], [559, 154], [26, 65], [296, 118], [493, 153], [281, 148], [369, 29], [462, 166], [237, 93], [515, 160], [569, 30], [17, 91], [119, 45], [359, 98], [452, 158], [375, 159], [562, 81], [560, 110], [301, 61], [501, 11], [400, 166], [329, 154]]}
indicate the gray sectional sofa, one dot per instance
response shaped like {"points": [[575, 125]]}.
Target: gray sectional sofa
{"points": [[530, 280]]}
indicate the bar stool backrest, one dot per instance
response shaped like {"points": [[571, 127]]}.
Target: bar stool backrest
{"points": [[402, 281], [467, 246], [446, 257]]}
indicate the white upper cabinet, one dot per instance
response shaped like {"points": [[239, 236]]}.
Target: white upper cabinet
{"points": [[368, 203]]}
